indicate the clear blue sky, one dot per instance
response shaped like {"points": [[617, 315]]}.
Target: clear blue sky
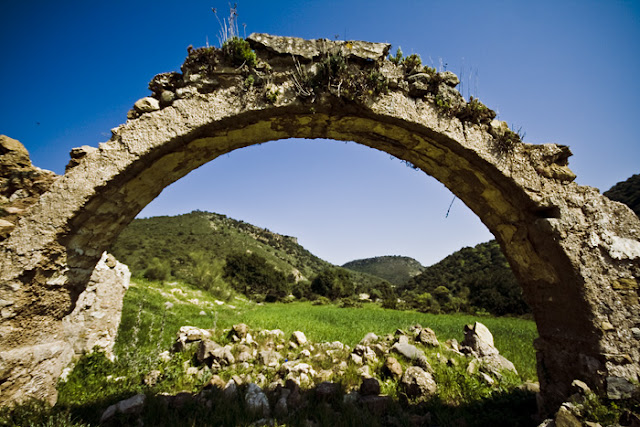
{"points": [[564, 71]]}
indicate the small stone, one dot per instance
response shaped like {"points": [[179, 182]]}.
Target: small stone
{"points": [[365, 371], [606, 326], [132, 405], [369, 338], [393, 367], [240, 330], [619, 388], [357, 360], [428, 337], [205, 350], [403, 339], [565, 418], [6, 227], [146, 105], [449, 78], [269, 358], [304, 354], [580, 387], [152, 377], [299, 338], [167, 97], [409, 351], [487, 379]]}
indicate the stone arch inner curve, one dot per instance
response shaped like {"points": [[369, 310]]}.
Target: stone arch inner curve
{"points": [[575, 253]]}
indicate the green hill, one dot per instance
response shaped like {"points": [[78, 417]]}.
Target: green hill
{"points": [[211, 251], [396, 269], [627, 192]]}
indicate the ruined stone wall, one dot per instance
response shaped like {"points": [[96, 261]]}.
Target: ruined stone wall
{"points": [[31, 369], [576, 253]]}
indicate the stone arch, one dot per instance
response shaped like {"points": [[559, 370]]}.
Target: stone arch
{"points": [[575, 253]]}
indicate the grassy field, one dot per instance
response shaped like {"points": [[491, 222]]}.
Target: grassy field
{"points": [[146, 321]]}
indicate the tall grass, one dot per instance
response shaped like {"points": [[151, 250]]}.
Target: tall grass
{"points": [[513, 337]]}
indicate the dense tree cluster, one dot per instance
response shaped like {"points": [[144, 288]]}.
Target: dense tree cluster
{"points": [[470, 280], [627, 192]]}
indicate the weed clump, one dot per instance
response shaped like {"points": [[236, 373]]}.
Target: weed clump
{"points": [[506, 142], [238, 51], [475, 112]]}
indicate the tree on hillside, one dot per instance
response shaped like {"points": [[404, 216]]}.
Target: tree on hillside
{"points": [[333, 283], [252, 275]]}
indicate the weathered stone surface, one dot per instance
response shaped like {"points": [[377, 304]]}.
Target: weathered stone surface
{"points": [[409, 351], [479, 339], [95, 319], [31, 371], [567, 244], [313, 49], [21, 183], [369, 339]]}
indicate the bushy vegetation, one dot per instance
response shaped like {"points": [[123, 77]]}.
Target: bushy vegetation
{"points": [[238, 51], [219, 254], [397, 270], [470, 280], [253, 276], [627, 192]]}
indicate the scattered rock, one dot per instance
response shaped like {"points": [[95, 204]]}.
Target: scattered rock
{"points": [[428, 337], [619, 388], [298, 338], [566, 418], [409, 351], [369, 338], [392, 367], [269, 358], [416, 383], [205, 350], [240, 330], [132, 405]]}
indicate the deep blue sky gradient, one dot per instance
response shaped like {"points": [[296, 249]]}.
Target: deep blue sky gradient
{"points": [[563, 71]]}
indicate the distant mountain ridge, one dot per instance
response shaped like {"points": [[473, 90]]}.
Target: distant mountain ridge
{"points": [[396, 269]]}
